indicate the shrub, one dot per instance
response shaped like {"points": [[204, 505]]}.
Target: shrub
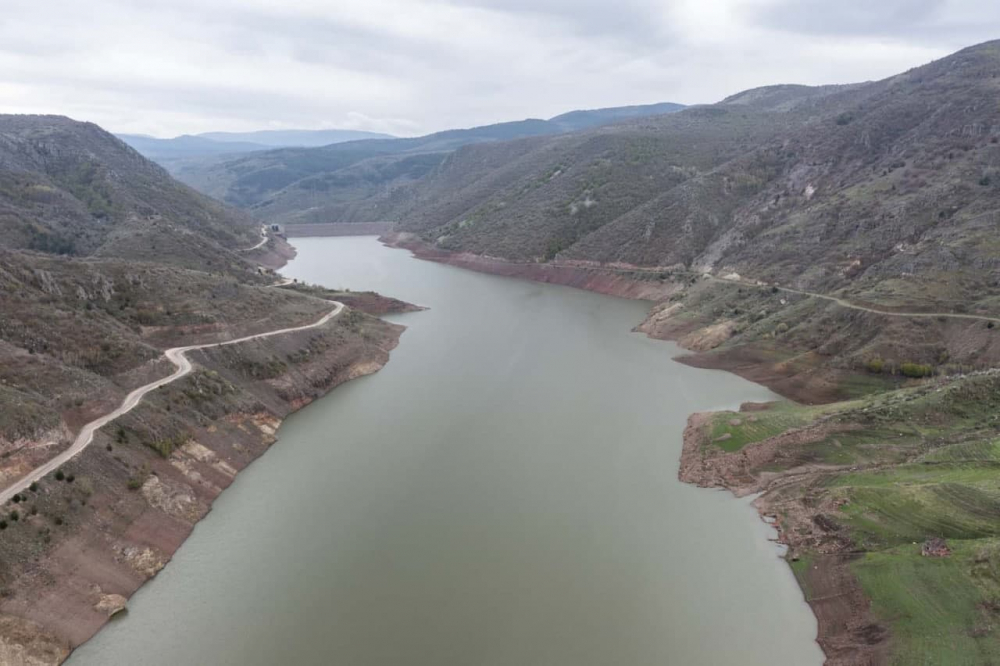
{"points": [[916, 370], [875, 365], [58, 520], [15, 516], [15, 499], [989, 324], [70, 478], [59, 475], [984, 181], [33, 487], [3, 524]]}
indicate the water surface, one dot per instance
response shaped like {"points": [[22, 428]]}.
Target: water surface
{"points": [[502, 493]]}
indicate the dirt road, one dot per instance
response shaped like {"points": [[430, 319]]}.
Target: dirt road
{"points": [[177, 356]]}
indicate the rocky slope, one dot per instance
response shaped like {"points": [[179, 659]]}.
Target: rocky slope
{"points": [[71, 188], [879, 189]]}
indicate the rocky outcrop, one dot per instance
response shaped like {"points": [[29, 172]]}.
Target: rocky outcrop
{"points": [[25, 643]]}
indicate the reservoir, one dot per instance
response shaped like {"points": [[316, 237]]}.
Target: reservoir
{"points": [[503, 493]]}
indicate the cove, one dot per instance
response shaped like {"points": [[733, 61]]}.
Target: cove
{"points": [[503, 493]]}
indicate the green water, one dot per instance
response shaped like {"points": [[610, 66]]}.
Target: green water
{"points": [[502, 493]]}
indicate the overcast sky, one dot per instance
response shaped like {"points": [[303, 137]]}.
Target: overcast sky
{"points": [[167, 67]]}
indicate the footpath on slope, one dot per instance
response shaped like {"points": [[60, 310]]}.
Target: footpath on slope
{"points": [[852, 306], [264, 238], [177, 356]]}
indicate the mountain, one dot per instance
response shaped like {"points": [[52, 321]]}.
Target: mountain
{"points": [[878, 188], [168, 150], [292, 138], [180, 152], [71, 188], [352, 180], [577, 120]]}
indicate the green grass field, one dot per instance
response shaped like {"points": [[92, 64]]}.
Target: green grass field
{"points": [[911, 464], [757, 426], [941, 611]]}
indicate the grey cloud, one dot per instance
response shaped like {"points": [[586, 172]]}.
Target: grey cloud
{"points": [[951, 22], [633, 21], [414, 66]]}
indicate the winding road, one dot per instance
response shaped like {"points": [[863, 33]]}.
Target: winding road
{"points": [[264, 239], [177, 356], [852, 306]]}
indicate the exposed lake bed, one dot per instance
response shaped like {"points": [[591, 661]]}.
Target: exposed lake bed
{"points": [[504, 491]]}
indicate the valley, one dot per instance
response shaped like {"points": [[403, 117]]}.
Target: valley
{"points": [[527, 474]]}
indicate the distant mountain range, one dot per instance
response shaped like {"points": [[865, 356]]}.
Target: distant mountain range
{"points": [[343, 180], [169, 152], [293, 137]]}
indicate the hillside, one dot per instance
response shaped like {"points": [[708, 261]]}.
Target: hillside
{"points": [[889, 507], [105, 263], [179, 152], [587, 118], [877, 189], [76, 336], [169, 152], [71, 188], [358, 180], [293, 137]]}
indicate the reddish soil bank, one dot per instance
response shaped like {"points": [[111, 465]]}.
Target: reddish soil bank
{"points": [[376, 304], [810, 387], [847, 631], [641, 284], [83, 543], [603, 281]]}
